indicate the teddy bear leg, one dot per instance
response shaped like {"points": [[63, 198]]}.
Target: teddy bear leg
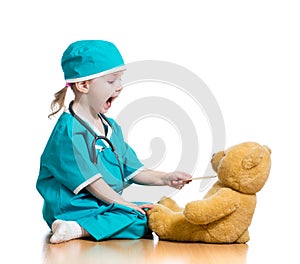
{"points": [[170, 203], [244, 237], [173, 226], [163, 221]]}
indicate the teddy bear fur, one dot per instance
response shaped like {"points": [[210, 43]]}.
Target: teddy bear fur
{"points": [[226, 211]]}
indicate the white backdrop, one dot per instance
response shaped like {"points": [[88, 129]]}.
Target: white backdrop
{"points": [[247, 52]]}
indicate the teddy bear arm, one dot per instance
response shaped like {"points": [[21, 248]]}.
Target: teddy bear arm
{"points": [[215, 207]]}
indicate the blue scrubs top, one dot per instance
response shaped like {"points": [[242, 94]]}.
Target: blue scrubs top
{"points": [[66, 168]]}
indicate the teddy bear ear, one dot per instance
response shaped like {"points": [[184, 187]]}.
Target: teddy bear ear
{"points": [[267, 148], [253, 158]]}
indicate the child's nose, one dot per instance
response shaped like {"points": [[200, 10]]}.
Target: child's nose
{"points": [[119, 88]]}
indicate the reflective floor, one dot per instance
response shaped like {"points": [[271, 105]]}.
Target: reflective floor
{"points": [[142, 251]]}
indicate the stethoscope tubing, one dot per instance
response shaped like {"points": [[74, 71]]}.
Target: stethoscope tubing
{"points": [[96, 137]]}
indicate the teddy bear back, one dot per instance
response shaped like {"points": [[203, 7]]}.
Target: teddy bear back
{"points": [[244, 167]]}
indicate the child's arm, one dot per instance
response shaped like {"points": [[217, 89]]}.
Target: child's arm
{"points": [[176, 179], [101, 190]]}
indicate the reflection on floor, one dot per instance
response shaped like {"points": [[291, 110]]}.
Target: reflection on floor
{"points": [[141, 251]]}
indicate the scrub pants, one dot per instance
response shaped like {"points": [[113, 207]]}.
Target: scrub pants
{"points": [[115, 221]]}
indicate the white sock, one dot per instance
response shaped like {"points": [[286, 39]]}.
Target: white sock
{"points": [[66, 230]]}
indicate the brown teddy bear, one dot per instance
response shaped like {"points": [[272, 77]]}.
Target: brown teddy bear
{"points": [[226, 211]]}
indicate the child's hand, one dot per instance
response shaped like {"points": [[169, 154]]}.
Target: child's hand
{"points": [[139, 208], [177, 179]]}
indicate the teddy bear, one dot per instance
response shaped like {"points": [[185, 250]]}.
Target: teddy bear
{"points": [[226, 211]]}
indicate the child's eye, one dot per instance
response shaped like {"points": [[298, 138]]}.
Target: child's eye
{"points": [[113, 81]]}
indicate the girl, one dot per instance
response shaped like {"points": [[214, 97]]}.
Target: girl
{"points": [[86, 163]]}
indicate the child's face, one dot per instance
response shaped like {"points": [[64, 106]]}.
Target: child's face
{"points": [[104, 90]]}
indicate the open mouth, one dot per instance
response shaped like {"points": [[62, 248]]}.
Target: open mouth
{"points": [[109, 101]]}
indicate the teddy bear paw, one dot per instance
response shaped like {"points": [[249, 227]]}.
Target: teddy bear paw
{"points": [[159, 220]]}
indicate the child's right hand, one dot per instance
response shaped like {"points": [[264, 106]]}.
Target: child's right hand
{"points": [[139, 208]]}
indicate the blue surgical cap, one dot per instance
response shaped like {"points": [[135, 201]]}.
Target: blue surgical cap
{"points": [[88, 59]]}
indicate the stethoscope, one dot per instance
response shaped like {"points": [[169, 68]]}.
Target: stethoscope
{"points": [[96, 137]]}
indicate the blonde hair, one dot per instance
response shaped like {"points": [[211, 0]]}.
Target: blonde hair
{"points": [[59, 101]]}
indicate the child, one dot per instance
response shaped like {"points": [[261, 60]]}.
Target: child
{"points": [[86, 163]]}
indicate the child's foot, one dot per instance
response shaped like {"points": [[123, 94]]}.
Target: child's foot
{"points": [[66, 230]]}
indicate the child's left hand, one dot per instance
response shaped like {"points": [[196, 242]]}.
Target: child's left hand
{"points": [[177, 179]]}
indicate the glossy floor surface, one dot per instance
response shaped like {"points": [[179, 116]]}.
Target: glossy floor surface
{"points": [[142, 251]]}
